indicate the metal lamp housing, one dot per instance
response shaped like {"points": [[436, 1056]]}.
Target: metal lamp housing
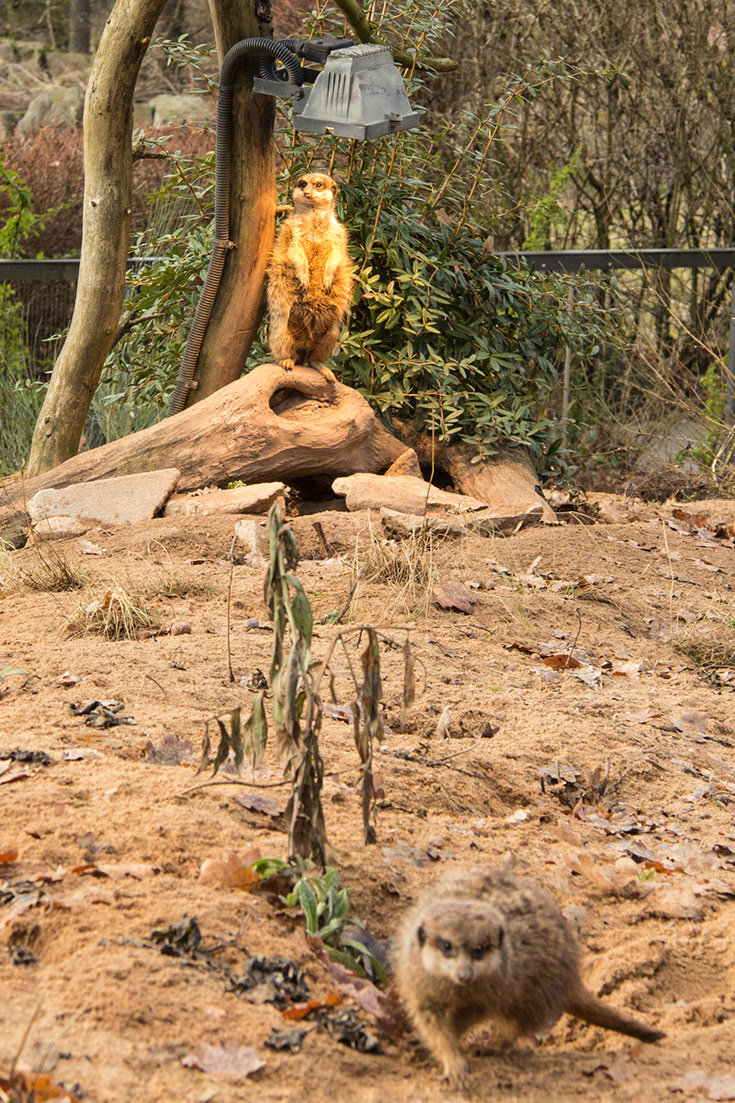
{"points": [[358, 94]]}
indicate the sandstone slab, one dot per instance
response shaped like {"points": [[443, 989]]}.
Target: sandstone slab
{"points": [[119, 501], [257, 498], [52, 528], [403, 493]]}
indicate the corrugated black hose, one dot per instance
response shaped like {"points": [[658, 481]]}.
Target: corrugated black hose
{"points": [[269, 51]]}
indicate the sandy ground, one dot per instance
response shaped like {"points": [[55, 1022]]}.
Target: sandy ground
{"points": [[613, 782]]}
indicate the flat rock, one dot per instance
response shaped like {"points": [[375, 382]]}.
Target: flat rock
{"points": [[123, 500], [407, 524], [406, 464], [51, 528], [171, 108], [257, 498], [403, 493], [54, 107], [489, 521]]}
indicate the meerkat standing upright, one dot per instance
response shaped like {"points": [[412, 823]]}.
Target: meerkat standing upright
{"points": [[483, 945], [309, 278]]}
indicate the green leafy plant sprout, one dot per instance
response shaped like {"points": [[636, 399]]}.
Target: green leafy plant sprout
{"points": [[9, 671]]}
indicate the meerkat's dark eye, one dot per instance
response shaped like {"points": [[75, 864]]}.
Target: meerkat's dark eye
{"points": [[301, 184], [477, 953], [446, 947], [318, 184]]}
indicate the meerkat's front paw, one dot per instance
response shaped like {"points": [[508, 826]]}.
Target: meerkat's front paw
{"points": [[287, 365], [456, 1075], [326, 372]]}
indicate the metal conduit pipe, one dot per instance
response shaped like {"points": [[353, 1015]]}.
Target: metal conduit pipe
{"points": [[268, 49]]}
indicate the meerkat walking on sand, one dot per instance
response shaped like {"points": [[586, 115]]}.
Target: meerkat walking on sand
{"points": [[309, 278], [483, 945]]}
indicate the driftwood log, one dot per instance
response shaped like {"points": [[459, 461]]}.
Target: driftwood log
{"points": [[277, 425], [270, 424]]}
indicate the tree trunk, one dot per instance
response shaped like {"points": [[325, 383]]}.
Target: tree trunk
{"points": [[108, 167], [269, 425], [506, 483], [238, 307], [79, 39], [240, 301]]}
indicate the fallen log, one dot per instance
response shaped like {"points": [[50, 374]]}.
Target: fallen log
{"points": [[269, 425], [507, 483]]}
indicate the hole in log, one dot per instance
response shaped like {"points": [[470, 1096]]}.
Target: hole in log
{"points": [[296, 406], [313, 494]]}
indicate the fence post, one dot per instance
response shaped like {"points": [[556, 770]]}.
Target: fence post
{"points": [[730, 370], [567, 378]]}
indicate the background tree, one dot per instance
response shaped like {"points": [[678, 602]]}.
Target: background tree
{"points": [[106, 219]]}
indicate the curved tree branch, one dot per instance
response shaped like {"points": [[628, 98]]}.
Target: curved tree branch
{"points": [[362, 27]]}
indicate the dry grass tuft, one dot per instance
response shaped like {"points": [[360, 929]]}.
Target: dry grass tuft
{"points": [[408, 566], [712, 654], [117, 615], [53, 573]]}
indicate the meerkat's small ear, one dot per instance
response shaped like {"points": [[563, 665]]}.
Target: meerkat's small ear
{"points": [[335, 186], [421, 936]]}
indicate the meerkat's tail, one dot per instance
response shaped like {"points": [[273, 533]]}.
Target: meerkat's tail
{"points": [[586, 1006]]}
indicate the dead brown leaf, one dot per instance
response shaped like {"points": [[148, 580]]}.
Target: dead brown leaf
{"points": [[8, 856], [231, 871], [301, 1010], [229, 1059], [452, 595], [255, 803], [562, 662], [26, 1085], [584, 865], [8, 776]]}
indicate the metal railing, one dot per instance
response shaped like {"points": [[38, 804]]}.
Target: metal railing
{"points": [[564, 261]]}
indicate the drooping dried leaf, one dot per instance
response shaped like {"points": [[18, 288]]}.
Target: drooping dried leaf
{"points": [[229, 741], [409, 682], [8, 856], [255, 732], [369, 727], [229, 1059]]}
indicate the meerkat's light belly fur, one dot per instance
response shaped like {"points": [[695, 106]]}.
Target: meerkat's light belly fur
{"points": [[309, 278]]}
